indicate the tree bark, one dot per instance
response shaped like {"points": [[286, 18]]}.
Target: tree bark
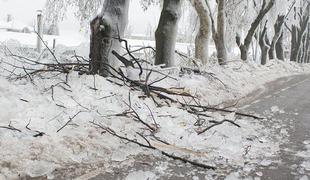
{"points": [[105, 29], [280, 48], [294, 47], [303, 50], [307, 47], [166, 32], [298, 34], [204, 32], [244, 47], [263, 45], [219, 36], [277, 33]]}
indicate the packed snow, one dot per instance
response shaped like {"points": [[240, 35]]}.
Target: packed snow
{"points": [[36, 143], [305, 165]]}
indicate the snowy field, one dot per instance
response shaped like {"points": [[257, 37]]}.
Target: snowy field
{"points": [[50, 121], [75, 39]]}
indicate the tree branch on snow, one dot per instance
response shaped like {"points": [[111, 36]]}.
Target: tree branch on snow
{"points": [[10, 127], [150, 146], [216, 123], [136, 115], [52, 53], [68, 122], [38, 133]]}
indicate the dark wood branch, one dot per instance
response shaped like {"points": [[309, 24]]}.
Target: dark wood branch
{"points": [[52, 53], [10, 128], [208, 108], [139, 119], [216, 123], [68, 122], [152, 115]]}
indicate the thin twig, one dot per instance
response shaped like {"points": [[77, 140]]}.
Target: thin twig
{"points": [[218, 123], [70, 120]]}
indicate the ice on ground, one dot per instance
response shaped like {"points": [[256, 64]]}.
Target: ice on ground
{"points": [[141, 175], [306, 165], [305, 155], [266, 162], [233, 176], [305, 177]]}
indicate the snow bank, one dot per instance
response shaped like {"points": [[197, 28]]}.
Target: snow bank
{"points": [[47, 104]]}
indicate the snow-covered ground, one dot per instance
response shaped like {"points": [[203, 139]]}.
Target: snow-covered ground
{"points": [[76, 39], [35, 140], [305, 165], [30, 39]]}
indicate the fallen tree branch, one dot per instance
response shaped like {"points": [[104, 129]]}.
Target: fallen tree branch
{"points": [[38, 133], [139, 119], [207, 108], [68, 122], [150, 146], [216, 123], [52, 53], [10, 127]]}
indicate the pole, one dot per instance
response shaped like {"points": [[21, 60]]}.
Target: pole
{"points": [[39, 30]]}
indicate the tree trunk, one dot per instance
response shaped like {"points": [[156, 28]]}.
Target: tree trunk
{"points": [[166, 32], [244, 47], [307, 47], [204, 32], [303, 50], [105, 28], [263, 45], [244, 52], [277, 33], [297, 37], [294, 48], [219, 39], [280, 48]]}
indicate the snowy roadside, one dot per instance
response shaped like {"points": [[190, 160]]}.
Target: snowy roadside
{"points": [[46, 123]]}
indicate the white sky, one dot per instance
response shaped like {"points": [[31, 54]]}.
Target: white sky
{"points": [[25, 11]]}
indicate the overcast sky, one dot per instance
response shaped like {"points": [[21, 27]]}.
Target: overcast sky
{"points": [[25, 11]]}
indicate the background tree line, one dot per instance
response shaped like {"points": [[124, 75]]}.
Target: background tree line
{"points": [[272, 25]]}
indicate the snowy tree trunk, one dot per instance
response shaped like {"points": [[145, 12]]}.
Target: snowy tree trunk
{"points": [[166, 32], [294, 48], [307, 46], [278, 31], [219, 36], [280, 48], [105, 28], [298, 35], [263, 45], [204, 32], [244, 47]]}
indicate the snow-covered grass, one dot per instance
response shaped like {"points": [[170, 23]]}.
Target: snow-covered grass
{"points": [[30, 39], [46, 104], [74, 39]]}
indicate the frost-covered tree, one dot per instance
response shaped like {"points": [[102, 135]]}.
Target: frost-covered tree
{"points": [[218, 31], [245, 45], [299, 32], [203, 35], [84, 10], [105, 30]]}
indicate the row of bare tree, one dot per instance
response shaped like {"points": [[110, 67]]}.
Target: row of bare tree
{"points": [[110, 24]]}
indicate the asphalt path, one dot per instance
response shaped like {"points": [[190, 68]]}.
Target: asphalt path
{"points": [[292, 96]]}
